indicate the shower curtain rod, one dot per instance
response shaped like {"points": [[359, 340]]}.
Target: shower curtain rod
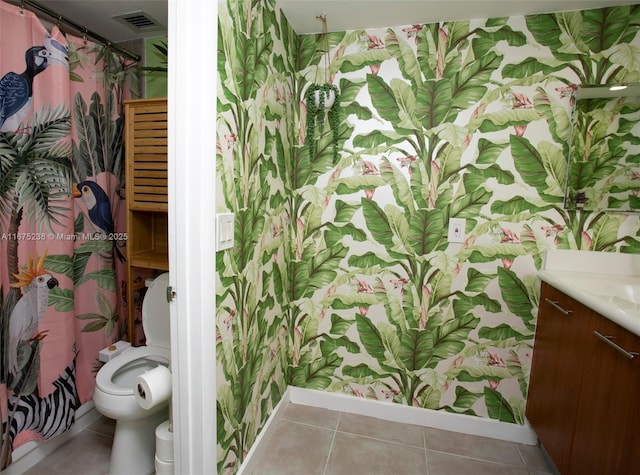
{"points": [[81, 29]]}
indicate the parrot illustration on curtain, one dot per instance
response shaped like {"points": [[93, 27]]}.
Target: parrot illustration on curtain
{"points": [[26, 315], [16, 90], [98, 209]]}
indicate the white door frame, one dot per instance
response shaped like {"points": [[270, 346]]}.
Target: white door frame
{"points": [[192, 85]]}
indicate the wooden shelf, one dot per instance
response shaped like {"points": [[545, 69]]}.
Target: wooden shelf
{"points": [[146, 188], [156, 259]]}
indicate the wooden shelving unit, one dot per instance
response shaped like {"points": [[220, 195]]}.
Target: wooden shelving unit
{"points": [[146, 195]]}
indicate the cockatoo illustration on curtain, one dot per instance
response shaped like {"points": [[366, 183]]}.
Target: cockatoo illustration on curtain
{"points": [[25, 318], [98, 209], [16, 90]]}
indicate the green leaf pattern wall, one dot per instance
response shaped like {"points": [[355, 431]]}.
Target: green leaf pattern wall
{"points": [[341, 278], [256, 49]]}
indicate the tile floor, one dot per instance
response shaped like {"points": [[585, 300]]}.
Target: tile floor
{"points": [[86, 454], [309, 440], [312, 440]]}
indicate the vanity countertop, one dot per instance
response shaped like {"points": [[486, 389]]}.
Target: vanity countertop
{"points": [[606, 282]]}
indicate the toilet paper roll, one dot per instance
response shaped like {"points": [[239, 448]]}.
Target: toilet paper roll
{"points": [[153, 387], [163, 468], [164, 443]]}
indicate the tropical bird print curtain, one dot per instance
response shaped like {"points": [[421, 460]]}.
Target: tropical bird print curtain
{"points": [[61, 220]]}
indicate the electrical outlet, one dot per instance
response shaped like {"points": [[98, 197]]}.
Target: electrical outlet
{"points": [[456, 229]]}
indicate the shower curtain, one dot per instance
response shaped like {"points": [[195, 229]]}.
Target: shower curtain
{"points": [[62, 245]]}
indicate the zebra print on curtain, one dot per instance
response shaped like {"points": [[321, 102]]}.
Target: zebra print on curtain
{"points": [[62, 245]]}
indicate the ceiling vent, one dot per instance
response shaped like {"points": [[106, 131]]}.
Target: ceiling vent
{"points": [[140, 22]]}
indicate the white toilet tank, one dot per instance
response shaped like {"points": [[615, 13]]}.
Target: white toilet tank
{"points": [[155, 313]]}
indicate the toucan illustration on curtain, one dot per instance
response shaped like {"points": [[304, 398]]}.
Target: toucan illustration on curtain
{"points": [[98, 209], [26, 315], [16, 90]]}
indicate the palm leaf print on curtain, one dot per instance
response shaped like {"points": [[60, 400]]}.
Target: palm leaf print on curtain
{"points": [[59, 301]]}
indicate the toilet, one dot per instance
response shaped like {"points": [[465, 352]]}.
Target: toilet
{"points": [[133, 449]]}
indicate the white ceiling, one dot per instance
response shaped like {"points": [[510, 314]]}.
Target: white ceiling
{"points": [[342, 15], [97, 15], [345, 15]]}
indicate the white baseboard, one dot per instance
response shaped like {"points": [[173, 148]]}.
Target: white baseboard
{"points": [[29, 454], [258, 447], [388, 411]]}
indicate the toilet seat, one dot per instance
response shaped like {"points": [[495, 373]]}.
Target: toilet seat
{"points": [[136, 360]]}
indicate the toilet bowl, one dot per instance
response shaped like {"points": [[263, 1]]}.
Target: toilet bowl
{"points": [[133, 450]]}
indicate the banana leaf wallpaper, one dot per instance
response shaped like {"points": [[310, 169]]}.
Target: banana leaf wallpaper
{"points": [[342, 278], [603, 161], [256, 117]]}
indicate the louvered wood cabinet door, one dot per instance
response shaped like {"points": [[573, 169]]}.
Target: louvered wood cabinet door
{"points": [[146, 154]]}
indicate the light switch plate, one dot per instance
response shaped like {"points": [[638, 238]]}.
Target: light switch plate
{"points": [[456, 229], [224, 231]]}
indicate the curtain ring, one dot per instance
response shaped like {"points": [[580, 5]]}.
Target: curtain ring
{"points": [[21, 8], [84, 35]]}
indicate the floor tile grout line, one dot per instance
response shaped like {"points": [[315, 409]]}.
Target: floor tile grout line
{"points": [[382, 440], [469, 457], [524, 462], [532, 469], [308, 424], [326, 463], [106, 436], [424, 445]]}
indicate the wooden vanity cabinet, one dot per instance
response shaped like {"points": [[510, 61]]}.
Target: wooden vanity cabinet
{"points": [[556, 372], [609, 396], [584, 392], [147, 197]]}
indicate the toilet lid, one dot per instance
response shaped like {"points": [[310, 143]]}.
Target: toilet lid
{"points": [[155, 313]]}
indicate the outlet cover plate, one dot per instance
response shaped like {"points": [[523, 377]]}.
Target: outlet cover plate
{"points": [[456, 229]]}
